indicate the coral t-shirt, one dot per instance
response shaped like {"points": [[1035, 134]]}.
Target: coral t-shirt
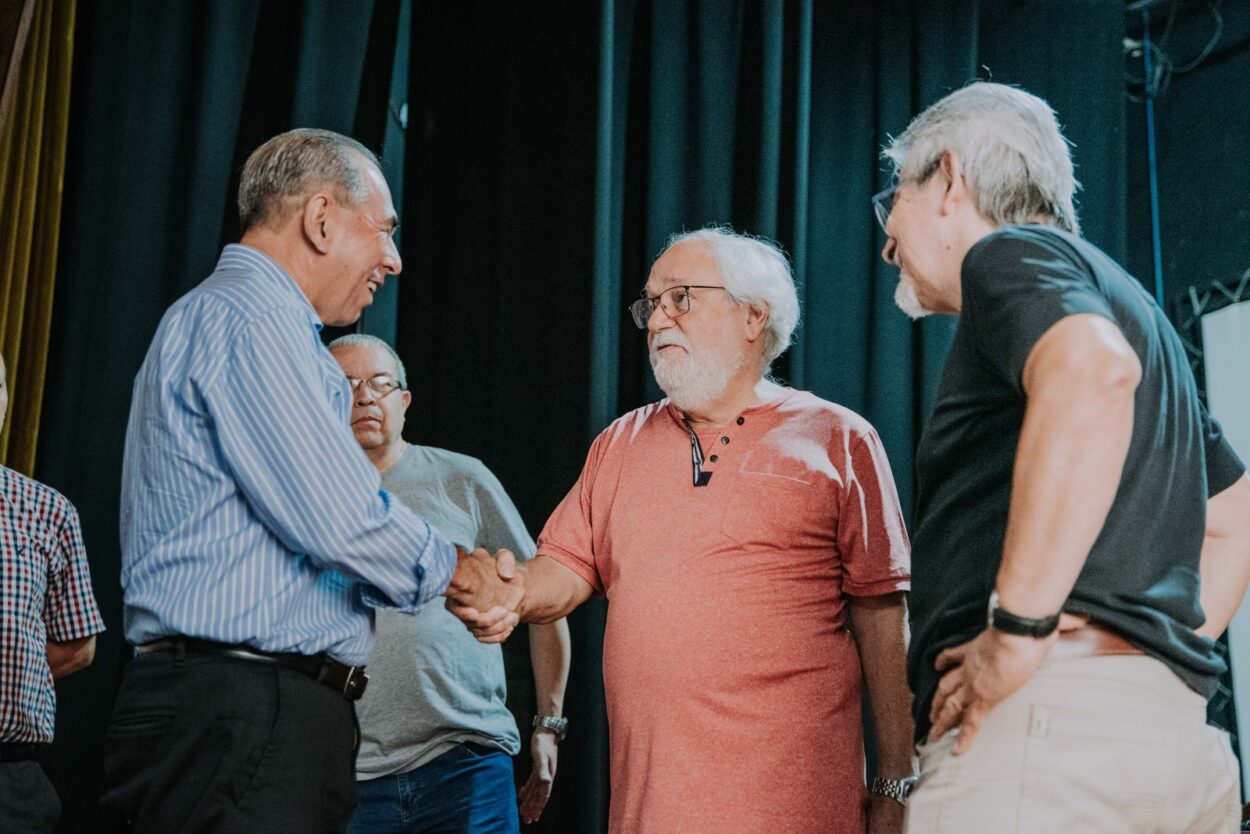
{"points": [[733, 685]]}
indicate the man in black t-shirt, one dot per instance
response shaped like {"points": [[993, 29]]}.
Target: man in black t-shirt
{"points": [[1083, 530]]}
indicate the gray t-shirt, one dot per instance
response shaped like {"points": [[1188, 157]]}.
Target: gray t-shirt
{"points": [[431, 684]]}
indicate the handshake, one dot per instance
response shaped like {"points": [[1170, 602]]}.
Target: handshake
{"points": [[486, 593]]}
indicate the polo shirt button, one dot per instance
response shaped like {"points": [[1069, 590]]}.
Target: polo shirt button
{"points": [[714, 458], [741, 420], [725, 440]]}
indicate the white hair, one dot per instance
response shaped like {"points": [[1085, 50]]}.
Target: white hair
{"points": [[754, 271], [365, 340], [1014, 156]]}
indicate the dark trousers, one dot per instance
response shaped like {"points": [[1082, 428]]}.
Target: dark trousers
{"points": [[202, 743], [28, 802]]}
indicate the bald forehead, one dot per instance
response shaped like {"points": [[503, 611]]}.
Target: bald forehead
{"points": [[365, 360], [376, 191]]}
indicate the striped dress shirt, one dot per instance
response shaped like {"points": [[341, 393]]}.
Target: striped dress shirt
{"points": [[249, 514]]}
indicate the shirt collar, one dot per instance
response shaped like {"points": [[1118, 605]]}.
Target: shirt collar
{"points": [[241, 256], [680, 418]]}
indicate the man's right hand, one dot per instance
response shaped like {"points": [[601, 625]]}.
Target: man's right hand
{"points": [[486, 592]]}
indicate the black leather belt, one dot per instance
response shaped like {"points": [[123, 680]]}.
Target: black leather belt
{"points": [[12, 751], [348, 681]]}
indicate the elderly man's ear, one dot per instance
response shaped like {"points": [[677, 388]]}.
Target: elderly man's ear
{"points": [[757, 320], [316, 222]]}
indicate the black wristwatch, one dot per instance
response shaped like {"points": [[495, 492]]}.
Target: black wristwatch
{"points": [[1000, 619]]}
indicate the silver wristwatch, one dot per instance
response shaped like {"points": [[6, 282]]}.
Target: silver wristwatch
{"points": [[556, 724], [896, 789]]}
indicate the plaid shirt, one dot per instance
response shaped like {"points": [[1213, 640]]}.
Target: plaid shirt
{"points": [[45, 594]]}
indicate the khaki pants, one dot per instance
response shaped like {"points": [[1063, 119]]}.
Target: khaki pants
{"points": [[1103, 745]]}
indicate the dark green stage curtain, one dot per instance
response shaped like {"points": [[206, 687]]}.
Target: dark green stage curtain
{"points": [[560, 146], [551, 149], [540, 190], [169, 98]]}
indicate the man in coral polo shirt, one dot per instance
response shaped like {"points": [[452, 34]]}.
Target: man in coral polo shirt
{"points": [[749, 539]]}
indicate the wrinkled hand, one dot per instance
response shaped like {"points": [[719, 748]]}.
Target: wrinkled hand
{"points": [[885, 815], [978, 675], [537, 789], [485, 593]]}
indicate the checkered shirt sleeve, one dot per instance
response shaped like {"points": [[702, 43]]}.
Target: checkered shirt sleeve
{"points": [[45, 594]]}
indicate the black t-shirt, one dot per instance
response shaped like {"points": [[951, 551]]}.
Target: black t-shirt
{"points": [[1141, 576]]}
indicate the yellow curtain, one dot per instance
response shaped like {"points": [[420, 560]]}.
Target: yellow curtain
{"points": [[32, 168]]}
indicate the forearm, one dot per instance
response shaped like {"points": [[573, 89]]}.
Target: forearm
{"points": [[1077, 426], [1225, 565], [550, 655], [69, 656], [551, 590], [879, 625]]}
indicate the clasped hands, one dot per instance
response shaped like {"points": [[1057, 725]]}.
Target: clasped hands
{"points": [[486, 592]]}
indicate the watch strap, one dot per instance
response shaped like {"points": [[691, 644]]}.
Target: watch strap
{"points": [[896, 789], [557, 724], [1000, 619]]}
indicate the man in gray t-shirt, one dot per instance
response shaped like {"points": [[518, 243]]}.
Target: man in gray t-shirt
{"points": [[436, 734]]}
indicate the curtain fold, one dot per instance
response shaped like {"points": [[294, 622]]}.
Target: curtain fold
{"points": [[769, 116], [32, 167], [551, 150], [14, 28], [169, 99], [539, 190]]}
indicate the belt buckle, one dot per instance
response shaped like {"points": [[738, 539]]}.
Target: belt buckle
{"points": [[355, 682]]}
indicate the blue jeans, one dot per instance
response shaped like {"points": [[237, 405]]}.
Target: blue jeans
{"points": [[467, 790]]}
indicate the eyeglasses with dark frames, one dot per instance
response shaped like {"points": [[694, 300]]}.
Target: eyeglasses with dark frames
{"points": [[380, 384], [675, 302]]}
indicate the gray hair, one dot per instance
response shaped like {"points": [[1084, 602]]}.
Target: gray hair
{"points": [[1014, 156], [365, 340], [755, 271], [293, 164]]}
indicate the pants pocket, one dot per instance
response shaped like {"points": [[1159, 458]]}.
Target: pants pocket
{"points": [[1094, 771], [140, 723]]}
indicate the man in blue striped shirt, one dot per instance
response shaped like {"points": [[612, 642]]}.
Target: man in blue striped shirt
{"points": [[256, 539]]}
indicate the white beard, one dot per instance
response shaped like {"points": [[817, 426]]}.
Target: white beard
{"points": [[693, 379], [905, 298]]}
